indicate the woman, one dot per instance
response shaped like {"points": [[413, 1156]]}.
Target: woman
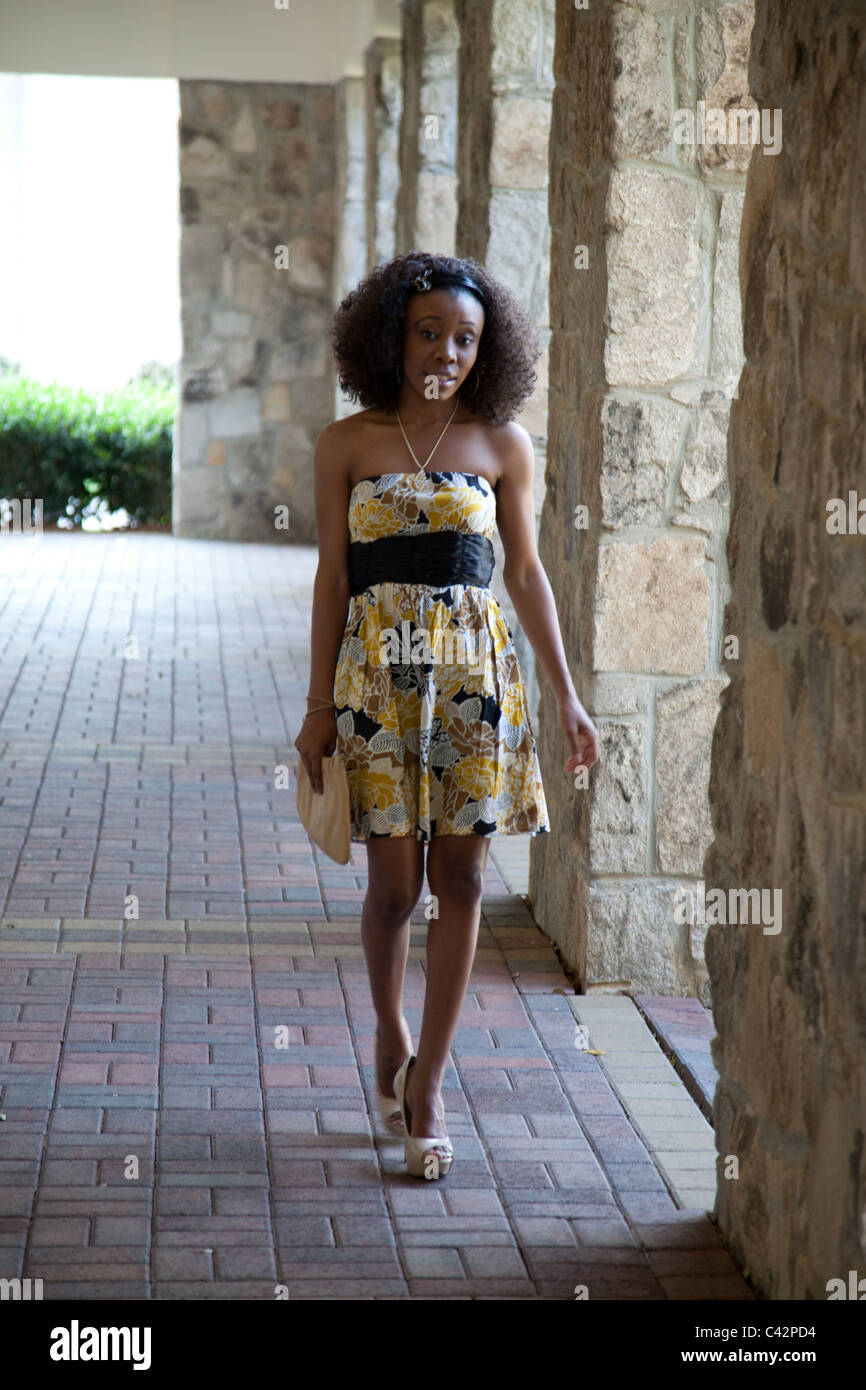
{"points": [[437, 750]]}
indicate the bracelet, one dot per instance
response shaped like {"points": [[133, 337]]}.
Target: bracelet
{"points": [[325, 704]]}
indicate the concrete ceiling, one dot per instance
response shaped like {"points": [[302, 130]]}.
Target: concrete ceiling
{"points": [[240, 40]]}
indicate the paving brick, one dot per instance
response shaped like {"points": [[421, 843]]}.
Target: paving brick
{"points": [[60, 1231], [236, 1262], [119, 1230], [535, 1231], [456, 1235], [233, 1201], [182, 1264], [64, 1172], [109, 1291], [433, 1262], [711, 1287], [183, 1201]]}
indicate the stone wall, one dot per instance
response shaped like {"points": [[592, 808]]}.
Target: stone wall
{"points": [[257, 386], [427, 201], [645, 356], [384, 104], [505, 88], [788, 785], [350, 228]]}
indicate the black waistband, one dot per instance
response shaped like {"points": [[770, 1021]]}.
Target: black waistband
{"points": [[437, 558]]}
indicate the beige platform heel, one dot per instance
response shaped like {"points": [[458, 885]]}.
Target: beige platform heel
{"points": [[425, 1158], [389, 1106]]}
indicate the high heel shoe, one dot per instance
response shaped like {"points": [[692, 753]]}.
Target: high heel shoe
{"points": [[425, 1158], [389, 1107]]}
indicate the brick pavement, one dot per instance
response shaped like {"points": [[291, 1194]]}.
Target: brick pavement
{"points": [[158, 1142]]}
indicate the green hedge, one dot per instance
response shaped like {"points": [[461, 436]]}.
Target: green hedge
{"points": [[83, 452]]}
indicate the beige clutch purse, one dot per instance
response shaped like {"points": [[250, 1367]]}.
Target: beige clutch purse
{"points": [[326, 815]]}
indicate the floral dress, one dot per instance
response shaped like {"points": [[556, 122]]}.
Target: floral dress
{"points": [[433, 722]]}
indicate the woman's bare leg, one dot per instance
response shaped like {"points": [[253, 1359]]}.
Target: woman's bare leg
{"points": [[395, 877], [455, 872]]}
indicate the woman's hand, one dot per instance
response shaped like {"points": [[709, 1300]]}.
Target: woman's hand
{"points": [[317, 739], [580, 732]]}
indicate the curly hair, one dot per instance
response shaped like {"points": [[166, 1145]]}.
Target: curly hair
{"points": [[367, 338]]}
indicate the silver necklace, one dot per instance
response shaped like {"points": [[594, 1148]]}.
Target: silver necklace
{"points": [[423, 466]]}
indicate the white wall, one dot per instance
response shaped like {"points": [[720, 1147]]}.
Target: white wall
{"points": [[240, 40], [89, 232]]}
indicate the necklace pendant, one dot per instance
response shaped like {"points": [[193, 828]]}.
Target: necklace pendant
{"points": [[422, 467]]}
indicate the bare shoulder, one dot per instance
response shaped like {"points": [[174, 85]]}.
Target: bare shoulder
{"points": [[339, 433], [514, 452], [336, 443]]}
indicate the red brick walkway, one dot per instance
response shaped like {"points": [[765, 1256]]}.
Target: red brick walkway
{"points": [[158, 1142]]}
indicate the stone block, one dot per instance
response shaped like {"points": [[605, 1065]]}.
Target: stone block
{"points": [[228, 323], [705, 464], [276, 403], [243, 138], [632, 938], [685, 720], [656, 288], [202, 157], [640, 442], [437, 141], [619, 811], [309, 263], [652, 607], [193, 432], [518, 246], [296, 361], [639, 104], [518, 153], [726, 351], [515, 40], [437, 211], [236, 414], [280, 113], [215, 101], [440, 38], [614, 694], [722, 41], [287, 166]]}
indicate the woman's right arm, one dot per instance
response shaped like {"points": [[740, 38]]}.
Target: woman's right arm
{"points": [[318, 734]]}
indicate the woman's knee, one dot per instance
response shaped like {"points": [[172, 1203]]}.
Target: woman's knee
{"points": [[394, 883], [457, 874], [392, 902]]}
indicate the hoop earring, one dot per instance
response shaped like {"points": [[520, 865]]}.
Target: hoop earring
{"points": [[399, 374], [477, 379]]}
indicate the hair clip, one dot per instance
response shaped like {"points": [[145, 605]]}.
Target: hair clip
{"points": [[422, 281]]}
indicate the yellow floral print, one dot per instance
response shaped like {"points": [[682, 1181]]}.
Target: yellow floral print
{"points": [[433, 722]]}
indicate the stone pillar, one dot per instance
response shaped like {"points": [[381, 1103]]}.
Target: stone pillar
{"points": [[256, 175], [645, 356], [788, 785], [506, 85], [384, 103], [350, 251], [427, 202]]}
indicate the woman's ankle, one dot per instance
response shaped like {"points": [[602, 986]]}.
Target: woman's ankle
{"points": [[426, 1083]]}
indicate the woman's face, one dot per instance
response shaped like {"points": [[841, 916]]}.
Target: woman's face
{"points": [[440, 341]]}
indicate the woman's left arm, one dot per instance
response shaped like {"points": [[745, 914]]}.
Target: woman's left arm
{"points": [[530, 592]]}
